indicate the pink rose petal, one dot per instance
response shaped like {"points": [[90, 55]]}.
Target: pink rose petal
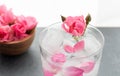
{"points": [[57, 61], [55, 67], [69, 49], [8, 17], [47, 73], [58, 58], [6, 33], [74, 71], [88, 66], [21, 20], [69, 20], [75, 33], [31, 22], [3, 9], [79, 45]]}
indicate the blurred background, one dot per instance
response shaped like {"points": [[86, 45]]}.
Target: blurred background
{"points": [[105, 13]]}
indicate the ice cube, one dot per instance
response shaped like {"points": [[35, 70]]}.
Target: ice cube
{"points": [[92, 45], [52, 40]]}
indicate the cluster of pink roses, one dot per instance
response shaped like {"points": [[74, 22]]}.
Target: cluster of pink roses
{"points": [[14, 27]]}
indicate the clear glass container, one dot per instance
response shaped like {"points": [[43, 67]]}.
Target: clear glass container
{"points": [[57, 60]]}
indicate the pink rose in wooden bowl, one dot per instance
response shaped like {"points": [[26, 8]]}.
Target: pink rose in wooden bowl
{"points": [[16, 32]]}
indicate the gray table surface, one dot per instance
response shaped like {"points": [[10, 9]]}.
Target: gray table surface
{"points": [[29, 63]]}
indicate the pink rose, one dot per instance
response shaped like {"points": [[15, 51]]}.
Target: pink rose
{"points": [[5, 33], [7, 18], [19, 31], [74, 25], [77, 47], [2, 9], [21, 20], [30, 22], [73, 71]]}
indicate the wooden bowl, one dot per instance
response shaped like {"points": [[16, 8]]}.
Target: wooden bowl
{"points": [[17, 47]]}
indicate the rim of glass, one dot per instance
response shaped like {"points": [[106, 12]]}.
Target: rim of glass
{"points": [[91, 26]]}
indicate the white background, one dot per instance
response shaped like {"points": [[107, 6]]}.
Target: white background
{"points": [[105, 13]]}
